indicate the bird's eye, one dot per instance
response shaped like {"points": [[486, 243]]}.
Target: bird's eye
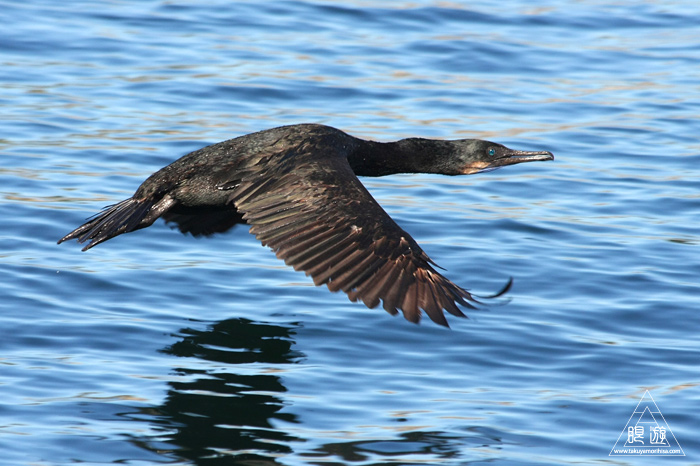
{"points": [[492, 151]]}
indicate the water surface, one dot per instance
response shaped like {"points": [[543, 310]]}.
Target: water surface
{"points": [[160, 348]]}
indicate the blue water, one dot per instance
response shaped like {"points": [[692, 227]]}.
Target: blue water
{"points": [[157, 348]]}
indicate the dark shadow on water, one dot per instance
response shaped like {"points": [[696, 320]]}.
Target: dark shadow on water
{"points": [[221, 410], [224, 415]]}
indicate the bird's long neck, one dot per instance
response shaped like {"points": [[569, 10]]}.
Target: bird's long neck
{"points": [[413, 155]]}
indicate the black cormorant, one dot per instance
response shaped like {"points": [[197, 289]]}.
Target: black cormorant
{"points": [[297, 187]]}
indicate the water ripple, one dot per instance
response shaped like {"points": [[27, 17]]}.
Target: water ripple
{"points": [[159, 348]]}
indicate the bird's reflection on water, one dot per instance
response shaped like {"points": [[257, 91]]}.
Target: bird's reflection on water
{"points": [[225, 413]]}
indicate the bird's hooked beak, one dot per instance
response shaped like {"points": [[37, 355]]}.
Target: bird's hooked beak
{"points": [[511, 157], [507, 157]]}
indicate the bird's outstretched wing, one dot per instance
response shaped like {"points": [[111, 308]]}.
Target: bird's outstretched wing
{"points": [[319, 218]]}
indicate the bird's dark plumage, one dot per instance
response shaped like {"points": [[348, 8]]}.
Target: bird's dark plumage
{"points": [[297, 187]]}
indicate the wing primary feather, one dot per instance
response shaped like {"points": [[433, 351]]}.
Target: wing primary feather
{"points": [[360, 273], [345, 266], [394, 296], [369, 292], [432, 305], [324, 271], [410, 303]]}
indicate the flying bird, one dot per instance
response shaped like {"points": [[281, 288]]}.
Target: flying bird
{"points": [[297, 188]]}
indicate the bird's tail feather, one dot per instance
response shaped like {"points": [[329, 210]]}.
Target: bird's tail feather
{"points": [[126, 216]]}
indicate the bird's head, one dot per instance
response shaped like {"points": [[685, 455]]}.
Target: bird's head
{"points": [[477, 155]]}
